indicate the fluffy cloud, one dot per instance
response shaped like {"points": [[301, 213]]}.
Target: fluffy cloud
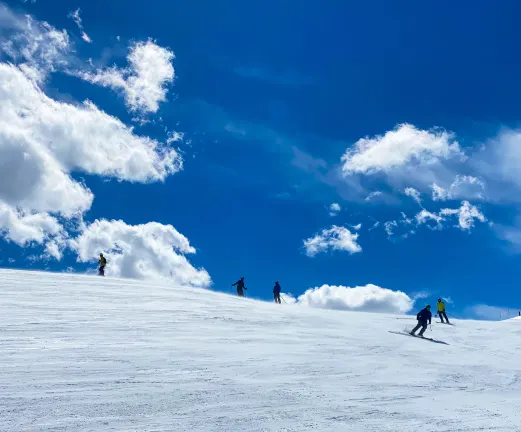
{"points": [[334, 209], [146, 251], [288, 298], [401, 146], [144, 82], [22, 228], [369, 298], [334, 238], [42, 140]]}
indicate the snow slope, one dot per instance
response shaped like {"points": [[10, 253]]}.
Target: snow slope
{"points": [[83, 353]]}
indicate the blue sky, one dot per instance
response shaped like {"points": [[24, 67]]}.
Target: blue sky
{"points": [[269, 99]]}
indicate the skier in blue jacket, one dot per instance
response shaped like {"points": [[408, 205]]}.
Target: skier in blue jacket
{"points": [[423, 316], [240, 287], [276, 292]]}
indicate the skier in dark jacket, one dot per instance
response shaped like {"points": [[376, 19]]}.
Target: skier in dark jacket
{"points": [[102, 263], [423, 316], [240, 287], [276, 292]]}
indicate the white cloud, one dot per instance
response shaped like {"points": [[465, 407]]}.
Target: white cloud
{"points": [[335, 238], [466, 214], [54, 249], [447, 300], [144, 82], [75, 16], [22, 227], [425, 216], [439, 193], [401, 146], [357, 227], [41, 140], [86, 37], [375, 225], [414, 194], [499, 162], [37, 47], [146, 251], [490, 313], [288, 298], [368, 298], [334, 209], [389, 227], [373, 195], [465, 186]]}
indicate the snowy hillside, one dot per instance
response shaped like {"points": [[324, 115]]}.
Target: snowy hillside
{"points": [[82, 353]]}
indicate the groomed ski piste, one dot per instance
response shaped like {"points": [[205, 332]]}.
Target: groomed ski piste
{"points": [[85, 353]]}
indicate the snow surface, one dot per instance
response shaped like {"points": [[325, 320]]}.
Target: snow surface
{"points": [[84, 353]]}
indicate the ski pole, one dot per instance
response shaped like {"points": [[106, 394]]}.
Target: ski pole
{"points": [[283, 300]]}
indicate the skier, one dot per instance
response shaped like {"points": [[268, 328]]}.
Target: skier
{"points": [[276, 292], [102, 263], [240, 287], [423, 316], [441, 311]]}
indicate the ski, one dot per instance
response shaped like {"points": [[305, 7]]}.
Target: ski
{"points": [[408, 334], [419, 337]]}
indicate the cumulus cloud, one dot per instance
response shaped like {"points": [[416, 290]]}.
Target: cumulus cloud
{"points": [[146, 251], [414, 194], [144, 82], [334, 209], [368, 298], [401, 146], [22, 227], [288, 298], [334, 238], [75, 16], [428, 161], [42, 140]]}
